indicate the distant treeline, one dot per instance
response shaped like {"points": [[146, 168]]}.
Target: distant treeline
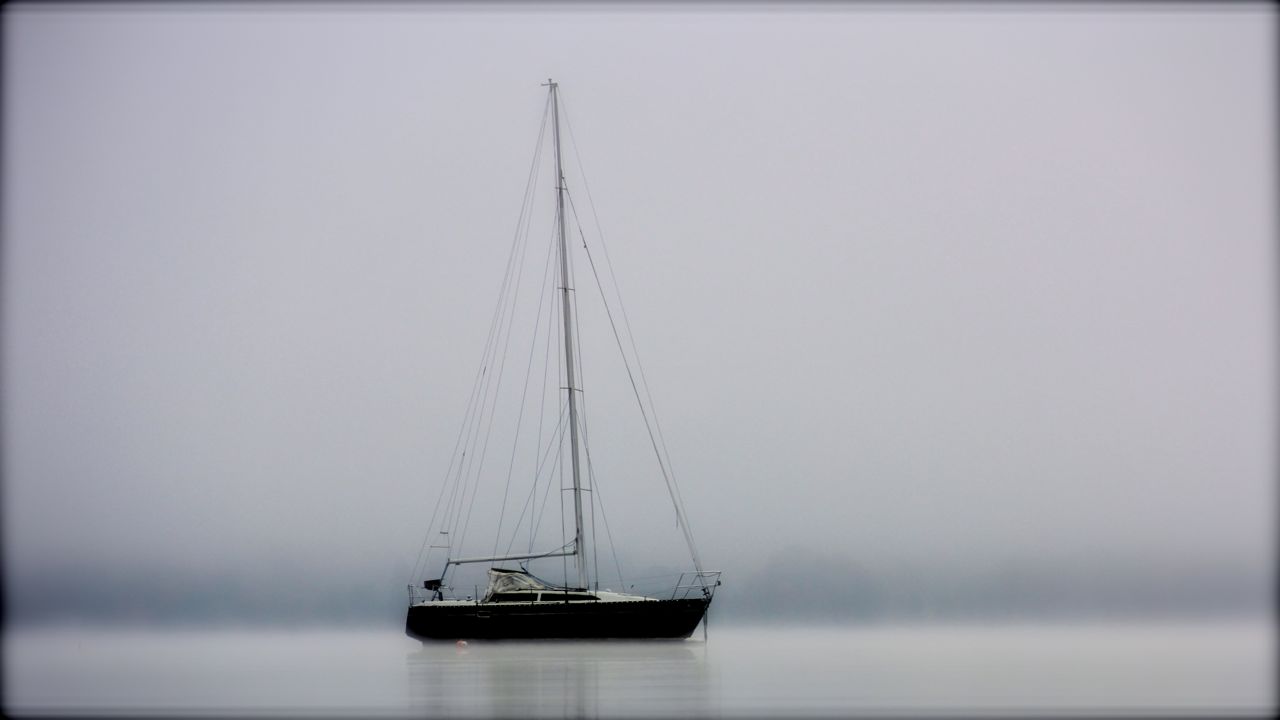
{"points": [[839, 589], [792, 587]]}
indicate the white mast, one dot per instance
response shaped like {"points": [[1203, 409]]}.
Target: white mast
{"points": [[579, 541]]}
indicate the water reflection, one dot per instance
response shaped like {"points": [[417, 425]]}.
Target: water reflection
{"points": [[1207, 669], [561, 679]]}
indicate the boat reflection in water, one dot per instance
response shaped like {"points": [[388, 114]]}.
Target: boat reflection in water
{"points": [[561, 679]]}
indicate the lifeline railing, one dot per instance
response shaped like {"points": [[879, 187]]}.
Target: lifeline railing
{"points": [[419, 594], [707, 581]]}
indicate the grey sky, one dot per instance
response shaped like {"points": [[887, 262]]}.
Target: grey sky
{"points": [[957, 286]]}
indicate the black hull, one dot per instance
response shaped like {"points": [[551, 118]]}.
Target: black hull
{"points": [[651, 619]]}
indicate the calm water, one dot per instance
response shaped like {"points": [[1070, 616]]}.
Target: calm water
{"points": [[1202, 668]]}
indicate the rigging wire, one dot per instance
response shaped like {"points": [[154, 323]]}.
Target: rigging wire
{"points": [[484, 449], [418, 565], [586, 444], [586, 447], [515, 444], [510, 323], [626, 321], [564, 561], [582, 421], [581, 378], [473, 418], [598, 498], [533, 490], [667, 477], [546, 370], [481, 406], [465, 481], [558, 466], [586, 441], [535, 522], [522, 220], [679, 499]]}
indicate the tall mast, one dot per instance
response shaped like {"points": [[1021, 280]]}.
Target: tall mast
{"points": [[579, 541]]}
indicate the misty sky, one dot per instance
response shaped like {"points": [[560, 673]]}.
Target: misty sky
{"points": [[953, 286]]}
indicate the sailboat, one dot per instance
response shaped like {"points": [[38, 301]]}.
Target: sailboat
{"points": [[516, 604]]}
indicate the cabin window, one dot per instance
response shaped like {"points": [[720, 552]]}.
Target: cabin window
{"points": [[513, 597]]}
